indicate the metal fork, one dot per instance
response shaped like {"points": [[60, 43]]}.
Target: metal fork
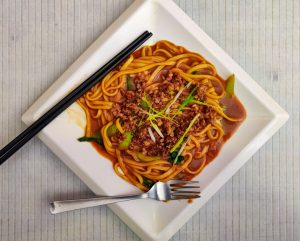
{"points": [[172, 190]]}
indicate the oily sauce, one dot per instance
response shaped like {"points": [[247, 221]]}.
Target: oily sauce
{"points": [[233, 108]]}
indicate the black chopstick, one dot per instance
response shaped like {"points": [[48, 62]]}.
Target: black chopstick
{"points": [[50, 115]]}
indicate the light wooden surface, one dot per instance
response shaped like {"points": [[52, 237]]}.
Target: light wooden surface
{"points": [[39, 39]]}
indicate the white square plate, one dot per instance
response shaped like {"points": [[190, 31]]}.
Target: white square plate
{"points": [[153, 220]]}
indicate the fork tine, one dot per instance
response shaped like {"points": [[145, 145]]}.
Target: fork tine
{"points": [[184, 197], [176, 188], [179, 190], [181, 182], [184, 192]]}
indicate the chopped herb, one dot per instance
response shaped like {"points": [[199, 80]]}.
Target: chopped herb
{"points": [[144, 105], [96, 138], [230, 86], [112, 130], [156, 128], [185, 133], [148, 105], [130, 83], [140, 123], [153, 113], [176, 97], [173, 155], [175, 159], [126, 142], [179, 160], [147, 182], [187, 100]]}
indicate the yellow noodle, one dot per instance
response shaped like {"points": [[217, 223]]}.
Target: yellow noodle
{"points": [[179, 62], [155, 72], [118, 125], [163, 51], [148, 64], [127, 63], [202, 66]]}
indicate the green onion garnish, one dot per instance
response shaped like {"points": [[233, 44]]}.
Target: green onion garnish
{"points": [[112, 130], [126, 142], [147, 182], [177, 96], [185, 133], [130, 83], [156, 129], [187, 100], [230, 85], [96, 138], [175, 158]]}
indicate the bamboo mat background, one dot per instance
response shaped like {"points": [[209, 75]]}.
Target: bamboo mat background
{"points": [[39, 39]]}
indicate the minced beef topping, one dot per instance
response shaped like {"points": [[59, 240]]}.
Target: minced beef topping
{"points": [[134, 117]]}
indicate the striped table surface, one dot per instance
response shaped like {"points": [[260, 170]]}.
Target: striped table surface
{"points": [[40, 39]]}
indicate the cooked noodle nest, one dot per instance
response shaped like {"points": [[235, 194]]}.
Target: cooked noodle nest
{"points": [[150, 63]]}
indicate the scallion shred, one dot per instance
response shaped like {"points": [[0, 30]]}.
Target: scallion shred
{"points": [[97, 138], [156, 128], [187, 100], [130, 83], [230, 86], [185, 133], [176, 97], [178, 158], [151, 134]]}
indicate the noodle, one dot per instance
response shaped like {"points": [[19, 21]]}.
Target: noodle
{"points": [[179, 96]]}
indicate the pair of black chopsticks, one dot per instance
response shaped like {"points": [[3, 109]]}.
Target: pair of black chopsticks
{"points": [[50, 115]]}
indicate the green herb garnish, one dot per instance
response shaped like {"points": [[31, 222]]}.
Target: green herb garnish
{"points": [[173, 155], [126, 142], [185, 133], [153, 113], [130, 84], [148, 183], [144, 105], [156, 128], [187, 100], [230, 86], [179, 160], [112, 130], [96, 138], [175, 159], [168, 108]]}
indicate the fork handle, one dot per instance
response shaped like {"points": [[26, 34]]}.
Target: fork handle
{"points": [[69, 205]]}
